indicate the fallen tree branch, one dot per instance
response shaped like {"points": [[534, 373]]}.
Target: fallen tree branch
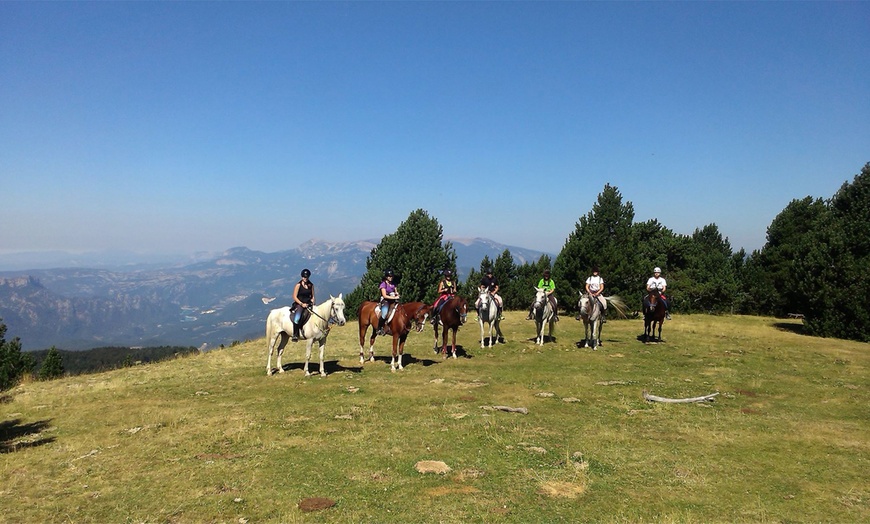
{"points": [[524, 411], [705, 398]]}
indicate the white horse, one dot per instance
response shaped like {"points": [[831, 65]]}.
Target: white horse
{"points": [[544, 315], [591, 313], [280, 325], [487, 313]]}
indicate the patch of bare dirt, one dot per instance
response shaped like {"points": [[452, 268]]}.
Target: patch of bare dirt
{"points": [[316, 504]]}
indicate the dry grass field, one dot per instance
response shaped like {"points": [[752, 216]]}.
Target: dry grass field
{"points": [[211, 438]]}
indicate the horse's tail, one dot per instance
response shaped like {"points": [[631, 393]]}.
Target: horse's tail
{"points": [[618, 304]]}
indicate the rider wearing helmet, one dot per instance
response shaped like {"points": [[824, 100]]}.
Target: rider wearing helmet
{"points": [[595, 288], [303, 298], [658, 282], [389, 295], [446, 289], [549, 286], [489, 283]]}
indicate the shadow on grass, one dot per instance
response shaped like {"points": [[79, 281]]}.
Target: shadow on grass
{"points": [[331, 366], [14, 435], [547, 338], [789, 326]]}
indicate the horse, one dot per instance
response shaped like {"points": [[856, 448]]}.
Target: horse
{"points": [[591, 313], [453, 315], [487, 313], [653, 315], [544, 315], [279, 325], [399, 325]]}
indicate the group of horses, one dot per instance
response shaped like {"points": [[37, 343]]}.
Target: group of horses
{"points": [[402, 318]]}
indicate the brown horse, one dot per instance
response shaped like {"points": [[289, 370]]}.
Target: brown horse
{"points": [[453, 314], [653, 315], [406, 316]]}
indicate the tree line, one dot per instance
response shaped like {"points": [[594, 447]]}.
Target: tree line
{"points": [[815, 263]]}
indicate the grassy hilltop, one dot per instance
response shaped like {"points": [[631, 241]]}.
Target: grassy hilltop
{"points": [[211, 438]]}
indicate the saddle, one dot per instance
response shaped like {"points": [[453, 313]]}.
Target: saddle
{"points": [[303, 317]]}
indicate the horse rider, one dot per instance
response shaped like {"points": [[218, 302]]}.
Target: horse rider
{"points": [[490, 284], [658, 282], [446, 290], [303, 298], [389, 296], [595, 288], [549, 286]]}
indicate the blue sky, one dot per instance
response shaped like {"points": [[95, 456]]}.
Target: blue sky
{"points": [[173, 127]]}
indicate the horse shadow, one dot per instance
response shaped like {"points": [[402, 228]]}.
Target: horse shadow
{"points": [[11, 431], [547, 338], [499, 340], [651, 339], [330, 366]]}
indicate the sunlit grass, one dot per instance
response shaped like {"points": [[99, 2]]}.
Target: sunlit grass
{"points": [[211, 438]]}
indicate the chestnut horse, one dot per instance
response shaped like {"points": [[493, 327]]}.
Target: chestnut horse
{"points": [[653, 315], [453, 315], [405, 316]]}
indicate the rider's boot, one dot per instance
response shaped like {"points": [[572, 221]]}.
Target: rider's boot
{"points": [[381, 326], [531, 314], [295, 337], [667, 315]]}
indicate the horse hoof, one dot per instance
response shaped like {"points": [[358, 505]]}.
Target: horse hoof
{"points": [[323, 374]]}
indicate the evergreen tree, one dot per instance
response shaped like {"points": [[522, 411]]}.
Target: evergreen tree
{"points": [[603, 237], [13, 363], [521, 293], [837, 266], [415, 254], [52, 366], [770, 275], [708, 282]]}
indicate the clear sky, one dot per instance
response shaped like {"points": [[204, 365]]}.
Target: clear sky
{"points": [[180, 127]]}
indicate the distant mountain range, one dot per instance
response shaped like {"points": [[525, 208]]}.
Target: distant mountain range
{"points": [[118, 299]]}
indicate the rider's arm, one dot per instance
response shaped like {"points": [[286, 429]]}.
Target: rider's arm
{"points": [[312, 295], [296, 294]]}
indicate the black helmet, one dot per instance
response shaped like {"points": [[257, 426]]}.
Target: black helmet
{"points": [[546, 272], [388, 273], [595, 269], [448, 273], [306, 273], [487, 270]]}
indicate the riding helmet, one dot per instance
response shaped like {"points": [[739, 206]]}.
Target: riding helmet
{"points": [[388, 273], [657, 270], [306, 273], [448, 273], [595, 269], [547, 273]]}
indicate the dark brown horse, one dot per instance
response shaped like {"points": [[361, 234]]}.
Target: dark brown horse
{"points": [[453, 314], [653, 315], [405, 317]]}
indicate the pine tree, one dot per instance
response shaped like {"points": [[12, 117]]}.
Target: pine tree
{"points": [[13, 363], [602, 238], [416, 256], [52, 366]]}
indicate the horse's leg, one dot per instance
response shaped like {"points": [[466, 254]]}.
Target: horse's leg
{"points": [[322, 343], [281, 345], [269, 359], [308, 355], [402, 349], [362, 337], [482, 330], [454, 342], [395, 351]]}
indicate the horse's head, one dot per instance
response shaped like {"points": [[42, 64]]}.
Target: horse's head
{"points": [[540, 298], [462, 309], [584, 302], [421, 315], [483, 299], [654, 296], [336, 310]]}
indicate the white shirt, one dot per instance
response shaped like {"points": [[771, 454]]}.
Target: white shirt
{"points": [[595, 282], [656, 283]]}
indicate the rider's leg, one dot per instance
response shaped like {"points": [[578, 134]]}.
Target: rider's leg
{"points": [[531, 312], [667, 308], [555, 304], [381, 319], [603, 303]]}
